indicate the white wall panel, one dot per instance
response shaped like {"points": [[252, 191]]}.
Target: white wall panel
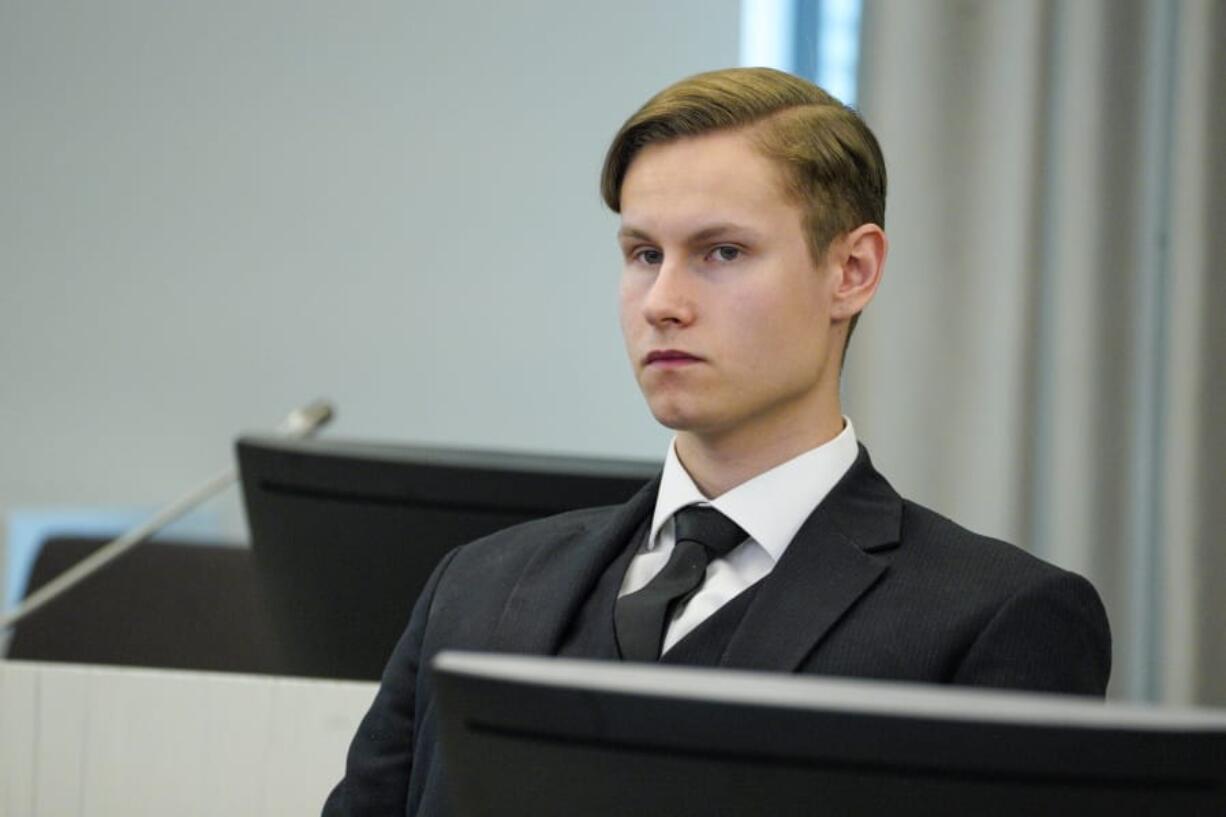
{"points": [[18, 743], [62, 712], [113, 742]]}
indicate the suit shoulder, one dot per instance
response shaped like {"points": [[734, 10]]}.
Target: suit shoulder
{"points": [[926, 528], [937, 537], [474, 581], [1022, 622], [562, 523], [522, 538]]}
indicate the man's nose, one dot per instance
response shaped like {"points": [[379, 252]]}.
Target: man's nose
{"points": [[671, 297]]}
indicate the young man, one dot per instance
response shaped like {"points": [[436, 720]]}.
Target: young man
{"points": [[752, 210]]}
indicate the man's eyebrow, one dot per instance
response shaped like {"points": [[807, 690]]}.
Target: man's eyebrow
{"points": [[705, 234], [717, 230], [631, 232]]}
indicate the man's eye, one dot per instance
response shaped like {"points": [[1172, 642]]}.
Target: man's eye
{"points": [[726, 253], [649, 256]]}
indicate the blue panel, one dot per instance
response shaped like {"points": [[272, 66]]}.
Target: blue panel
{"points": [[767, 33], [838, 48], [818, 39]]}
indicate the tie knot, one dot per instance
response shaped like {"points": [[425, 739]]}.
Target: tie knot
{"points": [[709, 528]]}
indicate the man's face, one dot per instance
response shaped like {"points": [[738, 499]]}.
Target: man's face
{"points": [[725, 314]]}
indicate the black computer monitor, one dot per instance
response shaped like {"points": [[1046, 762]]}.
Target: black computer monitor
{"points": [[548, 736], [345, 534]]}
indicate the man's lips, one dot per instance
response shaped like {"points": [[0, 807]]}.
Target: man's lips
{"points": [[669, 357]]}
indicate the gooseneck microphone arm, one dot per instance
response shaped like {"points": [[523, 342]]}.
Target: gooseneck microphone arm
{"points": [[301, 422]]}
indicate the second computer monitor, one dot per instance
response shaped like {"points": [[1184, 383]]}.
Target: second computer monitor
{"points": [[346, 534]]}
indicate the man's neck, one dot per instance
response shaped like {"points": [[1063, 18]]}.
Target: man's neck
{"points": [[719, 463]]}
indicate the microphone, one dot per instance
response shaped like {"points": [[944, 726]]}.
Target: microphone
{"points": [[306, 420], [302, 422]]}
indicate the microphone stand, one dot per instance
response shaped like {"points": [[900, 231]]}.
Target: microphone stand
{"points": [[301, 422]]}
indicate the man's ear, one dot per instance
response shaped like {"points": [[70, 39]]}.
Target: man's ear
{"points": [[859, 260]]}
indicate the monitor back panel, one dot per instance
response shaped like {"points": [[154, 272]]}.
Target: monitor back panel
{"points": [[346, 534], [538, 745]]}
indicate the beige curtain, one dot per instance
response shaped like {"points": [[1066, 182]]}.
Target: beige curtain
{"points": [[1044, 360]]}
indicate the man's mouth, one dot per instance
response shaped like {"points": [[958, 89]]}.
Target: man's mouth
{"points": [[669, 357]]}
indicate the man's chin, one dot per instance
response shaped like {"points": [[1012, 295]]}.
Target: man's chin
{"points": [[681, 419], [675, 420]]}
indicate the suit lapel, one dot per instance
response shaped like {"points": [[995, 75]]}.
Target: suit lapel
{"points": [[561, 574], [826, 568]]}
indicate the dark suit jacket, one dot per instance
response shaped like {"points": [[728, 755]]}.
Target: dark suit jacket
{"points": [[873, 586]]}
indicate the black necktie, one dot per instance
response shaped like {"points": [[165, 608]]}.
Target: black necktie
{"points": [[640, 618]]}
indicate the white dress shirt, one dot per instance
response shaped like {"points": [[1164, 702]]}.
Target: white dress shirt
{"points": [[771, 507]]}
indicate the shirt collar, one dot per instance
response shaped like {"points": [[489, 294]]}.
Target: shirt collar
{"points": [[770, 507]]}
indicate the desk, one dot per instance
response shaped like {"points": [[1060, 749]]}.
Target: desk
{"points": [[112, 742]]}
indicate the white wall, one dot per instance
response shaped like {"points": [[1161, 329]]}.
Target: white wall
{"points": [[109, 741], [211, 212]]}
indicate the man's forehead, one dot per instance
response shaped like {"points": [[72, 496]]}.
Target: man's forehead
{"points": [[679, 161], [701, 183]]}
